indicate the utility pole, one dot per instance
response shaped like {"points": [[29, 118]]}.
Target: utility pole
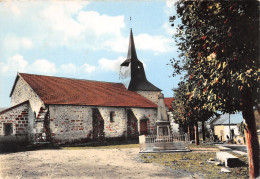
{"points": [[229, 127]]}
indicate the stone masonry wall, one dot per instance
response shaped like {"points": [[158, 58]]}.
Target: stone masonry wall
{"points": [[18, 117], [74, 123], [117, 128], [24, 92], [70, 123], [146, 113], [150, 95]]}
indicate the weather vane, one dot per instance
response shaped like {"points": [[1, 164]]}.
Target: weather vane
{"points": [[130, 22]]}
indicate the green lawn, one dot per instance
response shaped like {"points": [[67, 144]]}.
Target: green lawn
{"points": [[195, 163]]}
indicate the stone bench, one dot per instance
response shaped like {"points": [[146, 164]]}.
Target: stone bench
{"points": [[222, 148], [229, 159]]}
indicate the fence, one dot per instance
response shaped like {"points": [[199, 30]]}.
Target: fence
{"points": [[175, 141]]}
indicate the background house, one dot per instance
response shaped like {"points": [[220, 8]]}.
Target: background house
{"points": [[225, 126], [169, 110]]}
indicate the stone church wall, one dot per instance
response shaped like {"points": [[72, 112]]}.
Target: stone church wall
{"points": [[117, 127], [70, 123], [17, 118], [24, 92], [150, 95], [150, 114]]}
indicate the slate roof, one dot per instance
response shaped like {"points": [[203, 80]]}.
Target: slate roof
{"points": [[224, 119], [58, 90], [138, 78], [168, 103]]}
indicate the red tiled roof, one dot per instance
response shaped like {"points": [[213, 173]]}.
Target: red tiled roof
{"points": [[57, 90], [168, 103]]}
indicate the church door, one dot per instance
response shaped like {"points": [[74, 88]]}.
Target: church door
{"points": [[143, 127], [98, 125], [132, 129]]}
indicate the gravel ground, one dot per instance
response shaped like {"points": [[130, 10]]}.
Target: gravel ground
{"points": [[83, 163]]}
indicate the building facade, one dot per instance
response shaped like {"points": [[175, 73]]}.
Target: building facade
{"points": [[64, 110]]}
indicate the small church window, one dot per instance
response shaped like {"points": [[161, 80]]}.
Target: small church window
{"points": [[8, 129], [112, 116]]}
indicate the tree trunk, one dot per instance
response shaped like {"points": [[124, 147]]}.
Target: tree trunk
{"points": [[189, 133], [250, 135], [197, 141], [203, 130]]}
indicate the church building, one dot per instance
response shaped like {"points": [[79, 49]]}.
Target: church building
{"points": [[65, 110]]}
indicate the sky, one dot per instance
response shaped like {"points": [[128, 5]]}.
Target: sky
{"points": [[85, 40]]}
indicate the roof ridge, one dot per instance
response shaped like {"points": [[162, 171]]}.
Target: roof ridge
{"points": [[70, 78], [58, 90]]}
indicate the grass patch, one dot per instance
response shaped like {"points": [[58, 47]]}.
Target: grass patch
{"points": [[104, 147], [195, 163]]}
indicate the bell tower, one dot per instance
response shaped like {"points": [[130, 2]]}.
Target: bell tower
{"points": [[138, 81]]}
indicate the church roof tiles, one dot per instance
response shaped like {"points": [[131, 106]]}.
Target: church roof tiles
{"points": [[58, 90]]}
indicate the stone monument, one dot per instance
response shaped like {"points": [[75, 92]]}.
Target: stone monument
{"points": [[162, 122]]}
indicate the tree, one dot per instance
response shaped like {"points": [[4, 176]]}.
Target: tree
{"points": [[218, 41], [189, 110], [195, 103], [179, 111]]}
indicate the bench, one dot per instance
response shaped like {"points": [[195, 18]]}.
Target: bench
{"points": [[229, 159], [222, 148]]}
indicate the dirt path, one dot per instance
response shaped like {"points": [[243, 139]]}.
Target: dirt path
{"points": [[86, 163]]}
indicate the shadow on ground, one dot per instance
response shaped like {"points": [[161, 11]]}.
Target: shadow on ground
{"points": [[8, 147]]}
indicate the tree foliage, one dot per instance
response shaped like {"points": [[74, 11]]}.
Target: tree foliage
{"points": [[218, 43]]}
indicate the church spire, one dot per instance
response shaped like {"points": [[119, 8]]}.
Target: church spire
{"points": [[138, 80], [131, 48]]}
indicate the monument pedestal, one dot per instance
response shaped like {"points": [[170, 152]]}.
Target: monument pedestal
{"points": [[163, 128], [163, 133]]}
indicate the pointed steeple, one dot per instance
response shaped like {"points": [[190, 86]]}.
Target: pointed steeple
{"points": [[131, 48], [138, 78]]}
